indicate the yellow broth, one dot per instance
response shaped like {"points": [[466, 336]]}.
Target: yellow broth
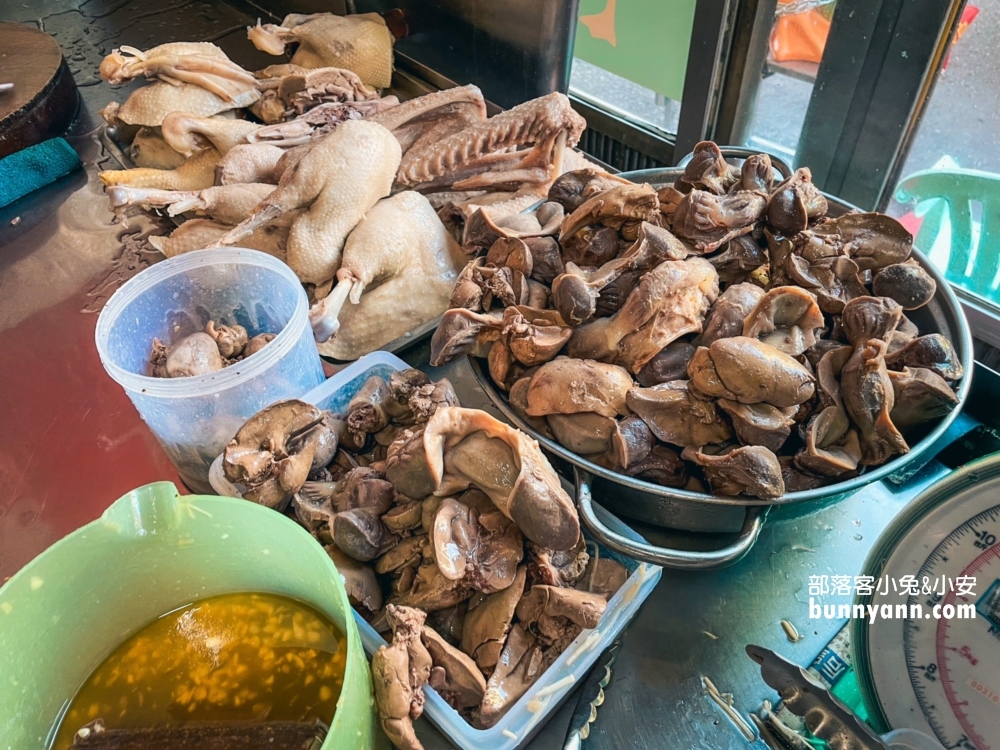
{"points": [[236, 657]]}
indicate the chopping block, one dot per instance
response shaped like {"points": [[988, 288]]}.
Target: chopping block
{"points": [[43, 100]]}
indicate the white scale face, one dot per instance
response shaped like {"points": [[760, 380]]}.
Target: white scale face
{"points": [[942, 675]]}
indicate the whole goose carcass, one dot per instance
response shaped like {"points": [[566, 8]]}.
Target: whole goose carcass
{"points": [[484, 156], [337, 181], [398, 271], [360, 42]]}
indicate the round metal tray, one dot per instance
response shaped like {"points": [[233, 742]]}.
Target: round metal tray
{"points": [[697, 511]]}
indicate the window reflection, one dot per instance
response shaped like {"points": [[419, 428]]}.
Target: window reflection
{"points": [[948, 193], [604, 89], [795, 49]]}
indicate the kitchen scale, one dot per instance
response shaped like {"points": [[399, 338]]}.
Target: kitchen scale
{"points": [[927, 680], [939, 675]]}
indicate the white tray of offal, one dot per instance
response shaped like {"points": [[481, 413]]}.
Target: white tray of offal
{"points": [[522, 719]]}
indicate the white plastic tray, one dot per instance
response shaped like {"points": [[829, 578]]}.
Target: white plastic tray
{"points": [[526, 716]]}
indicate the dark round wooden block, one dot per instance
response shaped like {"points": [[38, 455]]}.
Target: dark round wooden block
{"points": [[44, 99]]}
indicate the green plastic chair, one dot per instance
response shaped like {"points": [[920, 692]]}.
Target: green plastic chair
{"points": [[953, 193]]}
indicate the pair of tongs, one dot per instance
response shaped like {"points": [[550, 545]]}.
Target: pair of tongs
{"points": [[824, 714]]}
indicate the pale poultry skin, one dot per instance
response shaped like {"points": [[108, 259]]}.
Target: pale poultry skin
{"points": [[398, 271], [150, 104], [187, 133], [196, 234], [199, 63], [150, 150], [249, 162], [197, 173], [360, 42], [227, 204], [338, 180]]}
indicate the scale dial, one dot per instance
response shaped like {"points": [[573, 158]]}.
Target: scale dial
{"points": [[939, 675]]}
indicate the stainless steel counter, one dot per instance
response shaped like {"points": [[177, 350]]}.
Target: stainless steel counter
{"points": [[72, 442]]}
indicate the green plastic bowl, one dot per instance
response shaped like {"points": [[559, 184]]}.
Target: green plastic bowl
{"points": [[149, 553]]}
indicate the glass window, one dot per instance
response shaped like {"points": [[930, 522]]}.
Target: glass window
{"points": [[948, 192], [602, 88], [796, 43], [630, 58]]}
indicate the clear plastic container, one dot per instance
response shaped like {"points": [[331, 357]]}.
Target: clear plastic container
{"points": [[529, 713], [194, 417]]}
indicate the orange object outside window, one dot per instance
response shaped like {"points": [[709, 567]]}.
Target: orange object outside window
{"points": [[800, 36]]}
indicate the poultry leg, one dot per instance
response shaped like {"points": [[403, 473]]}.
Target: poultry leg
{"points": [[197, 173], [338, 181], [227, 204], [402, 253], [324, 316]]}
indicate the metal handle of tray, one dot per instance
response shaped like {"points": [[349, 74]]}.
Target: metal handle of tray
{"points": [[668, 558]]}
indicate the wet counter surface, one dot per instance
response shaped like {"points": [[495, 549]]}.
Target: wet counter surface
{"points": [[72, 443]]}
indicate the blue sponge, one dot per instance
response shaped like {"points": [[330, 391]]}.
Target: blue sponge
{"points": [[35, 167]]}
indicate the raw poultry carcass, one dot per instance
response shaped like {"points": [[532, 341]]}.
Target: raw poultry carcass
{"points": [[337, 181], [186, 133], [398, 271], [196, 234], [197, 63], [249, 162], [427, 119], [483, 157], [196, 173], [228, 204], [319, 121], [360, 42], [194, 77], [299, 91]]}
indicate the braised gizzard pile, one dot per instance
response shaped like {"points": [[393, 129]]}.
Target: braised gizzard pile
{"points": [[451, 531], [721, 334]]}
